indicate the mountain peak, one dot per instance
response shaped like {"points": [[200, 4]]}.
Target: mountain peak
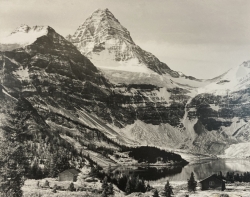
{"points": [[101, 27], [27, 29], [102, 13], [22, 28], [99, 10], [24, 35], [109, 45]]}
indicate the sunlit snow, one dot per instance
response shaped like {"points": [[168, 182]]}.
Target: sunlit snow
{"points": [[24, 35]]}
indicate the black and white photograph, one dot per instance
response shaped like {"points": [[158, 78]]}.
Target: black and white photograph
{"points": [[134, 98]]}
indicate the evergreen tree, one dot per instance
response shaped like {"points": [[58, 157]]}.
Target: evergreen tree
{"points": [[54, 188], [132, 182], [62, 164], [137, 184], [52, 166], [46, 183], [143, 186], [94, 171], [105, 183], [110, 189], [192, 184], [71, 187], [148, 187], [13, 163], [168, 191], [128, 187], [104, 193], [156, 194], [109, 173]]}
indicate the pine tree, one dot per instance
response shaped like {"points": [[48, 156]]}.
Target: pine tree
{"points": [[13, 163], [71, 187], [109, 171], [168, 191], [148, 187], [104, 193], [132, 183], [110, 189], [128, 187], [62, 164], [54, 188], [156, 194], [192, 184], [137, 184], [46, 183], [143, 186], [105, 183], [52, 166]]}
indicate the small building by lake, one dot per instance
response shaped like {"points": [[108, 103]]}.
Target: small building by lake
{"points": [[213, 182], [68, 175]]}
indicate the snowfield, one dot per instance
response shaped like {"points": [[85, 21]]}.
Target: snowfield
{"points": [[24, 35], [240, 150]]}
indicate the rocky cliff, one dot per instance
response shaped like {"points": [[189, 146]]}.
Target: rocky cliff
{"points": [[112, 107], [109, 45]]}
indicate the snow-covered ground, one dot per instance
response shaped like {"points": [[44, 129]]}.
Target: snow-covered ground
{"points": [[240, 150], [235, 79], [24, 35]]}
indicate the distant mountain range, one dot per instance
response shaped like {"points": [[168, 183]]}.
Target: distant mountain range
{"points": [[98, 87]]}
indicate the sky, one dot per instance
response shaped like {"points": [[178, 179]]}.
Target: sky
{"points": [[201, 38]]}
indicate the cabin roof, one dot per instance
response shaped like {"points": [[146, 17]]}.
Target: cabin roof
{"points": [[213, 176], [72, 171]]}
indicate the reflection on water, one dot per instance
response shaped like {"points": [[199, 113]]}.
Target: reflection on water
{"points": [[201, 170], [204, 170], [150, 173]]}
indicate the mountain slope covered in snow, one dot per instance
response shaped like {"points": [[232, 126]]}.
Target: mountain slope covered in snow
{"points": [[109, 45], [111, 104]]}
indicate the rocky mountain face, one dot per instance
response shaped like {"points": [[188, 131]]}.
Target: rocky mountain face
{"points": [[200, 115], [54, 79], [85, 107], [109, 45], [51, 91]]}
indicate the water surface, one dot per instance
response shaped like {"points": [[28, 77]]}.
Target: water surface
{"points": [[178, 173]]}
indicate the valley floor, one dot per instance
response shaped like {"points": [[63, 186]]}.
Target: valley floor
{"points": [[232, 190], [93, 189]]}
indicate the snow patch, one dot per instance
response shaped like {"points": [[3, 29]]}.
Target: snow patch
{"points": [[235, 79], [215, 107], [106, 60], [240, 150], [22, 73], [25, 35]]}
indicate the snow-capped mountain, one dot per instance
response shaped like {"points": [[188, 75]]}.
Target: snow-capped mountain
{"points": [[153, 105], [22, 36], [109, 46], [237, 78]]}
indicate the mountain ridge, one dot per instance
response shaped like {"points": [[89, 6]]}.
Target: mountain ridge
{"points": [[64, 86], [102, 32]]}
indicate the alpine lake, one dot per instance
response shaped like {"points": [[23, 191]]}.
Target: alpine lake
{"points": [[160, 174]]}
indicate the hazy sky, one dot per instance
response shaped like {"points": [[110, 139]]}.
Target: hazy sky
{"points": [[202, 38]]}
